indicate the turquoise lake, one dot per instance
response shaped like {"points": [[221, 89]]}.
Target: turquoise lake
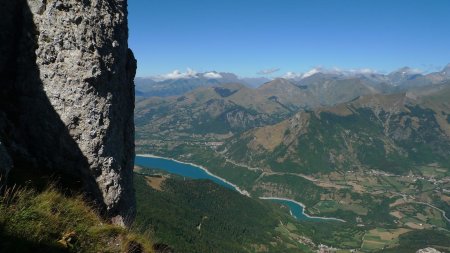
{"points": [[296, 210], [181, 169], [194, 172]]}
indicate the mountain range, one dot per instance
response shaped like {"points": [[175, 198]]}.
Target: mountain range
{"points": [[217, 109], [393, 133], [367, 148], [179, 83], [164, 86]]}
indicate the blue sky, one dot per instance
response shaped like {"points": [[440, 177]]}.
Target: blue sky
{"points": [[248, 36]]}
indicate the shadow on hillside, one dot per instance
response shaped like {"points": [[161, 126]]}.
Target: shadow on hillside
{"points": [[12, 244], [36, 138]]}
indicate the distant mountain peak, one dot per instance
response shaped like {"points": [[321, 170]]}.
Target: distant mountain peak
{"points": [[277, 82], [281, 79], [331, 72], [446, 70], [406, 71], [312, 72], [212, 75]]}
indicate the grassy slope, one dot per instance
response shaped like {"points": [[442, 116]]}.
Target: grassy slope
{"points": [[49, 221]]}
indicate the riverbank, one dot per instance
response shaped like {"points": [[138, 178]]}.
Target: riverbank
{"points": [[241, 191], [236, 188], [303, 208]]}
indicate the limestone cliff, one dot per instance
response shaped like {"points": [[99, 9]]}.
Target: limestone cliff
{"points": [[67, 95]]}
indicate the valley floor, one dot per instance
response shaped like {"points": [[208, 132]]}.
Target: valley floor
{"points": [[382, 208]]}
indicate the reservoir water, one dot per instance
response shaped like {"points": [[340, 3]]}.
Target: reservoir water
{"points": [[197, 172], [181, 169]]}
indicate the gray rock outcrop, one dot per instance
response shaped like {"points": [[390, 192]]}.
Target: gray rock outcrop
{"points": [[67, 95]]}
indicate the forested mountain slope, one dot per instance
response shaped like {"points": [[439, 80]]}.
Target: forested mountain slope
{"points": [[392, 133]]}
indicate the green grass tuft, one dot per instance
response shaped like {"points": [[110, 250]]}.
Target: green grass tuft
{"points": [[49, 221]]}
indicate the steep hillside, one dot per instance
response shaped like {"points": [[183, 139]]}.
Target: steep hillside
{"points": [[220, 111], [218, 220], [332, 89], [288, 94], [317, 90], [48, 221], [206, 113], [392, 133]]}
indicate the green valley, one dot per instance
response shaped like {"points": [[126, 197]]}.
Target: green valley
{"points": [[380, 162]]}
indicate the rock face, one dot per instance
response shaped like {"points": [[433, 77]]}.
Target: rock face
{"points": [[5, 165], [67, 95]]}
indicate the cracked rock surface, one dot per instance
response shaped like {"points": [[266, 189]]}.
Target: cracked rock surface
{"points": [[68, 94]]}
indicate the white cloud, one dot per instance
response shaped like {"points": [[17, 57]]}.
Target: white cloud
{"points": [[413, 71], [312, 72], [176, 74], [334, 70], [292, 75], [407, 71], [365, 71], [212, 75], [295, 75], [268, 71]]}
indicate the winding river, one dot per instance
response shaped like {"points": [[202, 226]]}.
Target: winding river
{"points": [[198, 172]]}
